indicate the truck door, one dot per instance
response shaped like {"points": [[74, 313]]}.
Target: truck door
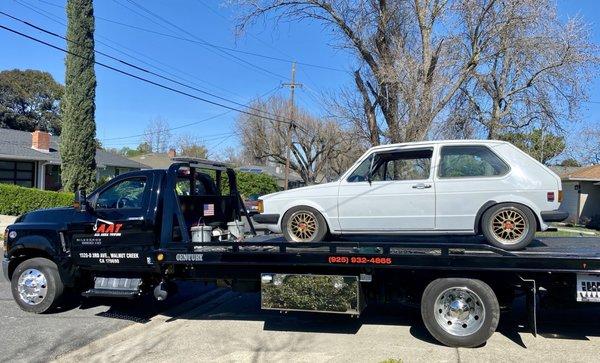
{"points": [[117, 231]]}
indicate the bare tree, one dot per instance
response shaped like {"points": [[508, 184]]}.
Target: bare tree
{"points": [[534, 69], [413, 55], [587, 148], [315, 143], [157, 135], [189, 145]]}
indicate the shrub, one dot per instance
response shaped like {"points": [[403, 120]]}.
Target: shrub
{"points": [[15, 200], [251, 183]]}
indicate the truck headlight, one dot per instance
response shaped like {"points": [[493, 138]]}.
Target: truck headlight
{"points": [[260, 206]]}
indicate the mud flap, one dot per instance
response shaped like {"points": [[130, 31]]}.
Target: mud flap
{"points": [[530, 288]]}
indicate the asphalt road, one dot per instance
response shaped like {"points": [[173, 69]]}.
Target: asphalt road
{"points": [[40, 338]]}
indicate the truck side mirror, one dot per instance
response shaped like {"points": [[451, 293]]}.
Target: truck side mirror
{"points": [[80, 202]]}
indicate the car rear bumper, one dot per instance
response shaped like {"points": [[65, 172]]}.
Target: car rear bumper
{"points": [[266, 218], [5, 262], [554, 216]]}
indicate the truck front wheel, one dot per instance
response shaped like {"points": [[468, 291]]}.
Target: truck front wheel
{"points": [[36, 285], [460, 312]]}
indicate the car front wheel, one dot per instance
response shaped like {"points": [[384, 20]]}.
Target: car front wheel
{"points": [[304, 224], [509, 226]]}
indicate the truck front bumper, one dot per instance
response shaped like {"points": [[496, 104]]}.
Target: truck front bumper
{"points": [[5, 262], [554, 216]]}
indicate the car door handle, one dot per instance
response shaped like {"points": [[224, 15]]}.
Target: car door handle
{"points": [[421, 186]]}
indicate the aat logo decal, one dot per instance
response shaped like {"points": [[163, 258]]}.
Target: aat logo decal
{"points": [[103, 228]]}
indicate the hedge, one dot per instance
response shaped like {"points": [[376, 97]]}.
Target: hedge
{"points": [[251, 183], [15, 200]]}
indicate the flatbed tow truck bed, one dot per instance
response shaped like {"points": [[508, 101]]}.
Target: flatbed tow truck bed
{"points": [[543, 255]]}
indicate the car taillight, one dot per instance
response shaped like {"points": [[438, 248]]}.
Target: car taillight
{"points": [[550, 196], [260, 206], [5, 241], [560, 196]]}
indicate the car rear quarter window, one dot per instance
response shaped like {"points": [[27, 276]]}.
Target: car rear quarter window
{"points": [[467, 161]]}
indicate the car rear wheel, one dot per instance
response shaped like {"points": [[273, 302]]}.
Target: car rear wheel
{"points": [[509, 226], [460, 312], [36, 285], [304, 224]]}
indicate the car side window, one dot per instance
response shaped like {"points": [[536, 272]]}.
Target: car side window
{"points": [[126, 194], [470, 161], [361, 173], [402, 165]]}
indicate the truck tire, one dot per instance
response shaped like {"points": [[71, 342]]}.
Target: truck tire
{"points": [[509, 226], [36, 285], [303, 224], [460, 312]]}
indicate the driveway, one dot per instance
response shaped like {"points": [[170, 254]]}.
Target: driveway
{"points": [[231, 328], [37, 338]]}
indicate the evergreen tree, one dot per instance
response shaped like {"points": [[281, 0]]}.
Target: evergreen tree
{"points": [[78, 138]]}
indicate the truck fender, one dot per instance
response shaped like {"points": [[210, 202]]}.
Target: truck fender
{"points": [[32, 246]]}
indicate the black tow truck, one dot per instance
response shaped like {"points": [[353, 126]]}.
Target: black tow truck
{"points": [[144, 230]]}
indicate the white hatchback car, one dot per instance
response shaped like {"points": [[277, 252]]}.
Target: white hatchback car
{"points": [[464, 187]]}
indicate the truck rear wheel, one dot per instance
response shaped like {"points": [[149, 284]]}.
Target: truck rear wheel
{"points": [[460, 312], [36, 285]]}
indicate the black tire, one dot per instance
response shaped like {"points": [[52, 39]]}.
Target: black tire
{"points": [[484, 298], [53, 288], [526, 237], [320, 225]]}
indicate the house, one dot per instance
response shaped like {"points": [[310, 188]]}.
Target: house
{"points": [[276, 172], [32, 159], [155, 160], [581, 192]]}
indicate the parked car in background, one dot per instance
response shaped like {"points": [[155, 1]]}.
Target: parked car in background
{"points": [[251, 203], [465, 187]]}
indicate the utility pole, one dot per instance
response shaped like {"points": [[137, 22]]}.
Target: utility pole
{"points": [[288, 135]]}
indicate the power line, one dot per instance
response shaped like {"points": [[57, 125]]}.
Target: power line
{"points": [[204, 42], [137, 67], [191, 123], [57, 20], [144, 79], [272, 47]]}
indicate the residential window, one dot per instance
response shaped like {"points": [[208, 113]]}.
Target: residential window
{"points": [[470, 161], [17, 172]]}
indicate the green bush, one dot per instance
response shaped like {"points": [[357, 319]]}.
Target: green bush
{"points": [[15, 200], [251, 183]]}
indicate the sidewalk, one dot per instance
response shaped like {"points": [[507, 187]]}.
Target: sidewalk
{"points": [[5, 221]]}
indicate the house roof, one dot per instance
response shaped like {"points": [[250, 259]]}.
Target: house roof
{"points": [[16, 145], [585, 173]]}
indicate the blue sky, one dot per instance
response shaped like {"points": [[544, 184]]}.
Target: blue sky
{"points": [[124, 106]]}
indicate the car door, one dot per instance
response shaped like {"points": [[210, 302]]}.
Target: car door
{"points": [[390, 191], [116, 231]]}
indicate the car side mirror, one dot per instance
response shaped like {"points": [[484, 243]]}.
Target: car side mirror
{"points": [[80, 202]]}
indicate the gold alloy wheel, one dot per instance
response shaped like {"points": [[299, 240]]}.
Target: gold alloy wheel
{"points": [[302, 226], [510, 226]]}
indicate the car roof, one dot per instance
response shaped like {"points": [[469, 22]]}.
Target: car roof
{"points": [[440, 142]]}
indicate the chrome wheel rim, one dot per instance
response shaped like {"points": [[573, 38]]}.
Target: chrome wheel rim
{"points": [[509, 226], [459, 311], [302, 226], [32, 286]]}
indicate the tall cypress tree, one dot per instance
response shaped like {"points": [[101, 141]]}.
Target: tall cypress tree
{"points": [[78, 137]]}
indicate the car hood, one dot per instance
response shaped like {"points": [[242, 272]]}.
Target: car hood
{"points": [[50, 215], [300, 192]]}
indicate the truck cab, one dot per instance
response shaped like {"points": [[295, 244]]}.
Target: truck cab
{"points": [[106, 242]]}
